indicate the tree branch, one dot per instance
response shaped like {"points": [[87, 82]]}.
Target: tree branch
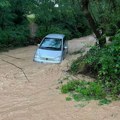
{"points": [[12, 56], [16, 67]]}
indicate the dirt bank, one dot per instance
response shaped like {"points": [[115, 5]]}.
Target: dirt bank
{"points": [[36, 97]]}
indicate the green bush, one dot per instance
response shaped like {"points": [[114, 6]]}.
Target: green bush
{"points": [[14, 37], [77, 66], [91, 90], [43, 31], [84, 90], [71, 86], [105, 63]]}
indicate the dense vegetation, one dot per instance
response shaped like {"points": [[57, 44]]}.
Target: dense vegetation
{"points": [[103, 64], [66, 19], [85, 91], [72, 18], [102, 61], [14, 23]]}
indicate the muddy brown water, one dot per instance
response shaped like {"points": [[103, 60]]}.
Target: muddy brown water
{"points": [[38, 97]]}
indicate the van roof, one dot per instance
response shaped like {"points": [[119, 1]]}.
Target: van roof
{"points": [[59, 36]]}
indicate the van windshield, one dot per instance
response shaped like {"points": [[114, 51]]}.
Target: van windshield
{"points": [[51, 44]]}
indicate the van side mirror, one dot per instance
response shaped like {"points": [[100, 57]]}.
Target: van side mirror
{"points": [[38, 45], [65, 47]]}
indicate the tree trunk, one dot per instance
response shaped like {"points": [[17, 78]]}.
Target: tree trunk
{"points": [[85, 7]]}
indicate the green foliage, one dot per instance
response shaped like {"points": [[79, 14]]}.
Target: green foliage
{"points": [[67, 18], [104, 63], [43, 31], [78, 66], [14, 37], [82, 90], [31, 18], [104, 101], [107, 15], [14, 30], [91, 90], [6, 16], [68, 98], [71, 86]]}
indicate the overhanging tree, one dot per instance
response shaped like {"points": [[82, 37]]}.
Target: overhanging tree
{"points": [[93, 24]]}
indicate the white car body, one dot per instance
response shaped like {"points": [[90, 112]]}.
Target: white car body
{"points": [[52, 49]]}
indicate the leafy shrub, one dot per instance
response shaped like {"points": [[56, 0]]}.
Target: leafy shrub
{"points": [[77, 66], [43, 31], [105, 63], [14, 37], [91, 89], [71, 86], [84, 90], [104, 101], [81, 66], [68, 98]]}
